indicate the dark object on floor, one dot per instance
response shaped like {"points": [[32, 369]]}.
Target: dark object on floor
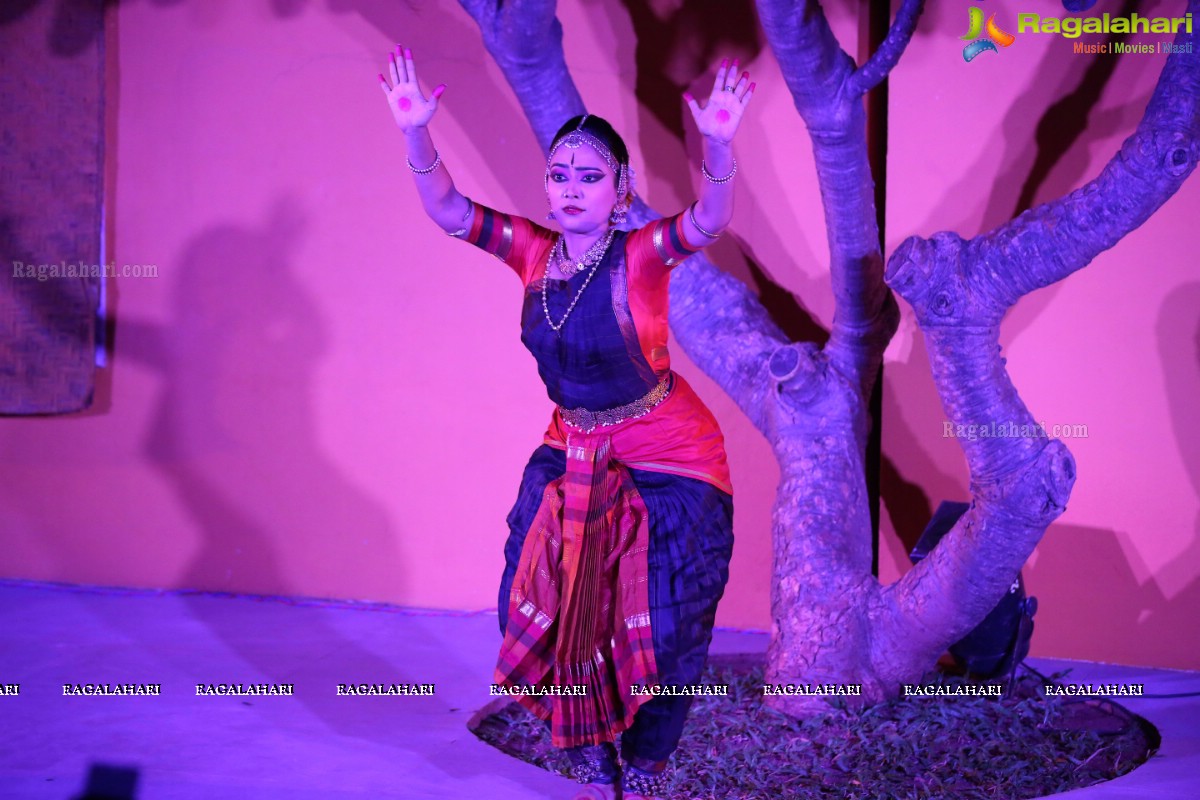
{"points": [[998, 644], [106, 782]]}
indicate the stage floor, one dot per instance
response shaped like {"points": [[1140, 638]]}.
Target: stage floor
{"points": [[315, 743]]}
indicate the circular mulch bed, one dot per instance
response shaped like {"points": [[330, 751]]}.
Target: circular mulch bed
{"points": [[735, 748]]}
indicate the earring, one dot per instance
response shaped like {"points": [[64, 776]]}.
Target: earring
{"points": [[618, 214], [550, 216]]}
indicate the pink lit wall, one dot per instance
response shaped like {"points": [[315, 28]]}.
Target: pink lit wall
{"points": [[323, 395]]}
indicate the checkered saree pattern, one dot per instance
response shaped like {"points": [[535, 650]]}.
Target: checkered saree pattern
{"points": [[591, 537]]}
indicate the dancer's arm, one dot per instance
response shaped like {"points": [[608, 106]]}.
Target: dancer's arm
{"points": [[718, 122], [412, 111]]}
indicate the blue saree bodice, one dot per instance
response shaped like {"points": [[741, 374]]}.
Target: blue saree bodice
{"points": [[594, 361]]}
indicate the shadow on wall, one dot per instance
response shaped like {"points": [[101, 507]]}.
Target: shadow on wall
{"points": [[1104, 610], [234, 431], [1178, 331], [234, 436]]}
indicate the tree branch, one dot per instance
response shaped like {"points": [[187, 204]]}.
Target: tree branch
{"points": [[820, 77], [950, 591], [1050, 242], [524, 37], [812, 62], [883, 60]]}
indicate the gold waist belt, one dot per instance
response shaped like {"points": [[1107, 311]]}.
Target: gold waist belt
{"points": [[587, 421]]}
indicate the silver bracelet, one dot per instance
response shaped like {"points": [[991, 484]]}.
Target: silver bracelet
{"points": [[470, 210], [437, 160], [708, 176], [692, 217]]}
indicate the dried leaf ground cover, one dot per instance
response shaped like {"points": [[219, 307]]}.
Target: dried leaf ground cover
{"points": [[735, 748]]}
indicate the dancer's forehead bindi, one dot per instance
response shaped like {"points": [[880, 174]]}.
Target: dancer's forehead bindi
{"points": [[583, 158]]}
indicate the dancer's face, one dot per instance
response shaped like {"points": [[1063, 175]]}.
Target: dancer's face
{"points": [[582, 190]]}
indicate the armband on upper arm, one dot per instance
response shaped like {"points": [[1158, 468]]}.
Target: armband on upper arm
{"points": [[513, 239], [491, 231], [669, 243]]}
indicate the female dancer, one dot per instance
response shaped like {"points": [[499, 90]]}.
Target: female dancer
{"points": [[620, 538]]}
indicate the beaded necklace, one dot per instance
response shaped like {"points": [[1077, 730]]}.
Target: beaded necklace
{"points": [[596, 251], [572, 268]]}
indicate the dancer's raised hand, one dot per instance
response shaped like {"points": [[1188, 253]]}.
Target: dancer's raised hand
{"points": [[410, 108], [721, 115]]}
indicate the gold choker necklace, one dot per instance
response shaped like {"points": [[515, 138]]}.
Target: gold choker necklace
{"points": [[569, 267]]}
